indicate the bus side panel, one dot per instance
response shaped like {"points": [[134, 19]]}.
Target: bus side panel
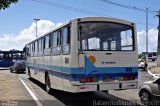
{"points": [[31, 67], [56, 80], [74, 45], [36, 67], [41, 75], [66, 70], [28, 61]]}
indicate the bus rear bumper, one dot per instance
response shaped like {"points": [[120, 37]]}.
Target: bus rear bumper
{"points": [[114, 86], [108, 86]]}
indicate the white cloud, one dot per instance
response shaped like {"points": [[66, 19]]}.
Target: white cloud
{"points": [[152, 40], [12, 41]]}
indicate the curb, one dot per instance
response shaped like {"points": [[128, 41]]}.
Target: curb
{"points": [[155, 76], [4, 68]]}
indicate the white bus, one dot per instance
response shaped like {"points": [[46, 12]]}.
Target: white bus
{"points": [[86, 54], [151, 56]]}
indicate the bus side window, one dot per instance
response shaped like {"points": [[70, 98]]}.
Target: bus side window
{"points": [[39, 43], [46, 42], [59, 38], [54, 39], [36, 46], [47, 50], [50, 40], [56, 42], [27, 50], [33, 46], [66, 40], [40, 47]]}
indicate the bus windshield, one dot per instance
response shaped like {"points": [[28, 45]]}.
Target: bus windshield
{"points": [[105, 36]]}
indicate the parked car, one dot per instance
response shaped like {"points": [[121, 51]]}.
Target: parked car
{"points": [[149, 92], [141, 65], [19, 66]]}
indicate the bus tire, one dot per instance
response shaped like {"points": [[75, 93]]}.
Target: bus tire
{"points": [[47, 83], [29, 73], [105, 91]]}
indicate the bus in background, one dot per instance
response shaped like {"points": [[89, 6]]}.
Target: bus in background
{"points": [[86, 54], [152, 56], [7, 58]]}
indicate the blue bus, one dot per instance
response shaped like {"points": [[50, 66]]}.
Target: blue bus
{"points": [[7, 58]]}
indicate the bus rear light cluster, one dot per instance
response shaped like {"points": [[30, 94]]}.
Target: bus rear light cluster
{"points": [[126, 78], [108, 79], [88, 80]]}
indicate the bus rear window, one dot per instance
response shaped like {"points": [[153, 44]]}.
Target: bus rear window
{"points": [[101, 36]]}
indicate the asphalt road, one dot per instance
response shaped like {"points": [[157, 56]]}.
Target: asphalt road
{"points": [[60, 98]]}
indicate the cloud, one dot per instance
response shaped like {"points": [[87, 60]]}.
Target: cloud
{"points": [[152, 40], [12, 41]]}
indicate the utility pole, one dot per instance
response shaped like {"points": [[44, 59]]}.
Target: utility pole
{"points": [[147, 32], [36, 25], [158, 50]]}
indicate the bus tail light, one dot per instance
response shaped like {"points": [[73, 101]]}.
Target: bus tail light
{"points": [[132, 78], [87, 80], [121, 78], [126, 78], [108, 79]]}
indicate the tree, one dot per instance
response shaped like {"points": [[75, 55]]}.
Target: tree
{"points": [[6, 3]]}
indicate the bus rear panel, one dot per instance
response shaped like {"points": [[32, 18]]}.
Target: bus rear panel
{"points": [[107, 56]]}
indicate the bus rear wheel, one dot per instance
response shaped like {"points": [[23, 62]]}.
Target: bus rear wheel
{"points": [[105, 91], [48, 84]]}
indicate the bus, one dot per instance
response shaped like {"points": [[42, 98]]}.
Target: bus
{"points": [[151, 56], [85, 54], [7, 58]]}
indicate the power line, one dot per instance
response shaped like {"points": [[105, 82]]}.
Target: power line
{"points": [[68, 7], [142, 23], [75, 9], [128, 7]]}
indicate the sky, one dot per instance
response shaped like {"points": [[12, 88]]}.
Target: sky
{"points": [[17, 25]]}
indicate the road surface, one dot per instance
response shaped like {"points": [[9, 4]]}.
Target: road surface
{"points": [[60, 98]]}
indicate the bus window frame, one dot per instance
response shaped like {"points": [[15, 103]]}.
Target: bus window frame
{"points": [[68, 26], [132, 26], [59, 42], [47, 49], [40, 43]]}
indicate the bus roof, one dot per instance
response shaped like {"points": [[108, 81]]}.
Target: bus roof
{"points": [[109, 19]]}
